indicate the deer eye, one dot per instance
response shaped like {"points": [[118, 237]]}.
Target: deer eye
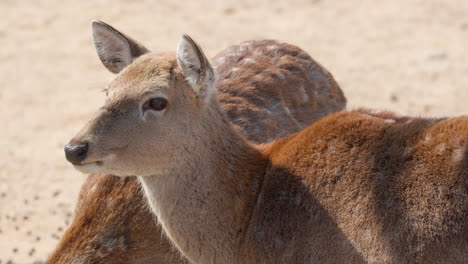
{"points": [[157, 103]]}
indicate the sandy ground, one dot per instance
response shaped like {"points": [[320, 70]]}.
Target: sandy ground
{"points": [[406, 56]]}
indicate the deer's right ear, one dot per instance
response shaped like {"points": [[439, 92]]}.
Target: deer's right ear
{"points": [[195, 67], [115, 50]]}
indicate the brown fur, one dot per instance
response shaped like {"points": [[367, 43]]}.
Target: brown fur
{"points": [[113, 224], [244, 97], [274, 76], [351, 188], [384, 192]]}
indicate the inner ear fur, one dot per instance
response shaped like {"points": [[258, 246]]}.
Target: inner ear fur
{"points": [[115, 49]]}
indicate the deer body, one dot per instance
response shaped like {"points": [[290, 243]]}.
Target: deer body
{"points": [[349, 189], [353, 187], [254, 96]]}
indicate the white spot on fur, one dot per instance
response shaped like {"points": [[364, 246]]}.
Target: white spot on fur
{"points": [[266, 110], [458, 155], [304, 95], [93, 189], [440, 148], [258, 52], [280, 75], [356, 211], [271, 47], [234, 69], [389, 121], [407, 150], [233, 53], [249, 60], [428, 138]]}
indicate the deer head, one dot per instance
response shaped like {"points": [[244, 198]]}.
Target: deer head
{"points": [[154, 107]]}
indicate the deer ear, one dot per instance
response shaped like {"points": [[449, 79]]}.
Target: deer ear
{"points": [[195, 67], [115, 50]]}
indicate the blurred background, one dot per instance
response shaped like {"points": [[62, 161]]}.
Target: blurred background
{"points": [[408, 56]]}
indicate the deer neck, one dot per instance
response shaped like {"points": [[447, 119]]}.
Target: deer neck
{"points": [[205, 204]]}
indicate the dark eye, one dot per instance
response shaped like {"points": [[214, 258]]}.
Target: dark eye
{"points": [[157, 103]]}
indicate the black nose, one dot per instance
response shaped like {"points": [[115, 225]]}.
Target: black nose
{"points": [[76, 154]]}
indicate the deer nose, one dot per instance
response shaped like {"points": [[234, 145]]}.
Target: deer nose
{"points": [[76, 154]]}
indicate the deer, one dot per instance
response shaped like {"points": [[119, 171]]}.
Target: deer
{"points": [[112, 222], [352, 187]]}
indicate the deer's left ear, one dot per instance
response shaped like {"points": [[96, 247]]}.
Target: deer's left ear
{"points": [[195, 67], [115, 50]]}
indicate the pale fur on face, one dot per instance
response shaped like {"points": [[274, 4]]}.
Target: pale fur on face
{"points": [[124, 129]]}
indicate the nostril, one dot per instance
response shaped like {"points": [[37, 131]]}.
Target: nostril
{"points": [[76, 154], [82, 150]]}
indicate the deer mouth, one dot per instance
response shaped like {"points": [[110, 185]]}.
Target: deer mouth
{"points": [[89, 167], [88, 162]]}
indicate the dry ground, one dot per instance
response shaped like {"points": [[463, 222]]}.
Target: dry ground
{"points": [[409, 56]]}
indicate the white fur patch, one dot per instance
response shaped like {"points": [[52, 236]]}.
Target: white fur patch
{"points": [[92, 189], [249, 60], [258, 52], [271, 47], [280, 75], [407, 150], [440, 148], [266, 110], [304, 95], [428, 138], [458, 155], [258, 76]]}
